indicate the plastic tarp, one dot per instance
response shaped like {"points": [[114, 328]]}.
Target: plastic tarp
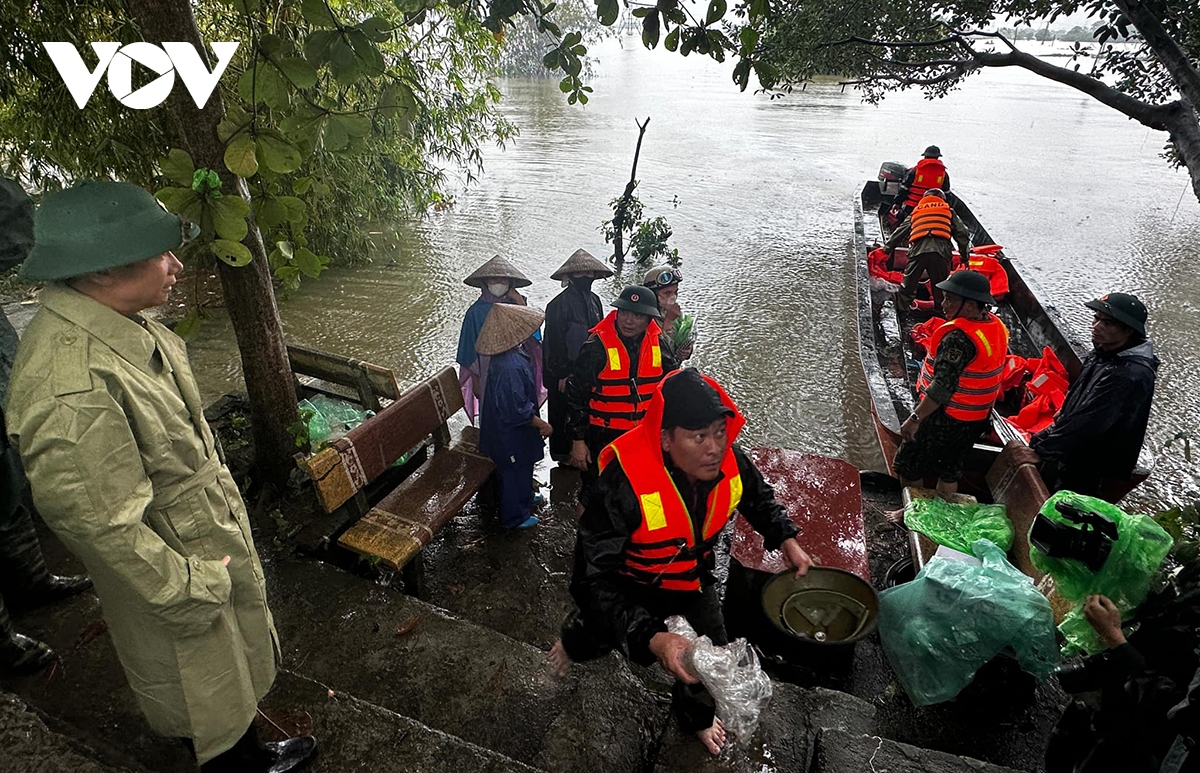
{"points": [[328, 419], [1124, 577], [954, 617]]}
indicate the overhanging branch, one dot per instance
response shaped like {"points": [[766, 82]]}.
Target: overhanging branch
{"points": [[1164, 46]]}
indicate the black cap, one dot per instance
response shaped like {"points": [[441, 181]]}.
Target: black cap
{"points": [[1124, 308], [639, 300], [933, 151], [689, 401]]}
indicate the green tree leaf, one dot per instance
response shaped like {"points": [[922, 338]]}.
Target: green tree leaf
{"points": [[229, 217], [299, 71], [278, 154], [270, 212], [316, 13], [379, 30], [297, 210], [716, 10], [240, 158], [178, 167], [607, 12], [671, 41], [177, 199], [235, 254], [309, 263], [650, 30], [188, 326], [335, 137]]}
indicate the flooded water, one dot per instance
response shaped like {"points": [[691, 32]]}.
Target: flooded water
{"points": [[759, 194]]}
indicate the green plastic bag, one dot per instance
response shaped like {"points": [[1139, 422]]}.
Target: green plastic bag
{"points": [[1125, 576], [954, 617], [958, 526], [330, 419]]}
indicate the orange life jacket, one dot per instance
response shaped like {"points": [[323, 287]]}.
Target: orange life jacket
{"points": [[932, 217], [668, 547], [979, 384], [983, 260], [619, 397], [931, 173]]}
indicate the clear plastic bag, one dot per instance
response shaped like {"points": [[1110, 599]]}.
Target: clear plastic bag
{"points": [[954, 617], [731, 674]]}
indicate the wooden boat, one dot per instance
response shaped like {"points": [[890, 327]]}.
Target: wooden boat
{"points": [[891, 363]]}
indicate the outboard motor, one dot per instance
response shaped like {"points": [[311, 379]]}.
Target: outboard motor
{"points": [[890, 175]]}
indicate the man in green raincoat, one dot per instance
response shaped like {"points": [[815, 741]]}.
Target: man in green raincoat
{"points": [[107, 417]]}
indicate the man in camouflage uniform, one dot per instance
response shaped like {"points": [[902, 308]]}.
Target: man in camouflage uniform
{"points": [[24, 578]]}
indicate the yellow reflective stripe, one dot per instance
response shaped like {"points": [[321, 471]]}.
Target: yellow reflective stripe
{"points": [[652, 511], [735, 492], [614, 359], [986, 343], [656, 356]]}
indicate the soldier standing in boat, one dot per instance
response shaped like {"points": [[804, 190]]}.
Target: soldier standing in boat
{"points": [[958, 384], [926, 174], [613, 378], [570, 317], [645, 547], [928, 233]]}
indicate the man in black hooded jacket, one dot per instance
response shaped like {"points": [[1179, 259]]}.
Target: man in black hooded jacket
{"points": [[1099, 431]]}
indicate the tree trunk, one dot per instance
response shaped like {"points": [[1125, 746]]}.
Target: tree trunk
{"points": [[623, 208], [249, 297], [1184, 127]]}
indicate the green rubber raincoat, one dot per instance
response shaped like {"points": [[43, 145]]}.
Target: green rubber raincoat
{"points": [[124, 468]]}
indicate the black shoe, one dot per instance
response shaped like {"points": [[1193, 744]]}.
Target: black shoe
{"points": [[49, 590], [291, 755], [22, 655]]}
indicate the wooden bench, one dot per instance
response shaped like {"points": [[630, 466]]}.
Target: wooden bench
{"points": [[367, 382], [408, 515]]}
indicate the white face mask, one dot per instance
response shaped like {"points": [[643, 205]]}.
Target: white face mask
{"points": [[497, 288]]}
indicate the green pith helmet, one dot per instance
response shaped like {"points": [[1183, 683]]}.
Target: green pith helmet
{"points": [[1124, 308], [94, 226], [640, 300], [968, 284]]}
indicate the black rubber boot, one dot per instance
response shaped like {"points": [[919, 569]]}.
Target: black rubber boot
{"points": [[250, 756], [47, 590]]}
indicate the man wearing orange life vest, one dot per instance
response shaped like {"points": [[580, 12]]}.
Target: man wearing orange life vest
{"points": [[613, 378], [645, 548], [928, 232], [959, 382], [927, 173]]}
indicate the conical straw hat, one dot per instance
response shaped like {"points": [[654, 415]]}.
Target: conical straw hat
{"points": [[506, 326], [497, 268], [580, 262]]}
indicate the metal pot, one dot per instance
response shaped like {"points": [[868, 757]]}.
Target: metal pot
{"points": [[826, 608]]}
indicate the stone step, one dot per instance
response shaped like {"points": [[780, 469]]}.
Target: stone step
{"points": [[359, 736], [414, 659], [512, 582], [29, 746], [840, 751], [784, 739]]}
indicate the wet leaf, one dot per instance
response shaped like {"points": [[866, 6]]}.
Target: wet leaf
{"points": [[316, 13], [299, 71], [278, 154], [671, 42], [229, 217], [235, 254], [187, 327], [270, 212], [177, 199], [716, 10], [239, 156], [456, 588], [310, 263], [178, 167], [297, 210], [607, 12], [408, 626]]}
